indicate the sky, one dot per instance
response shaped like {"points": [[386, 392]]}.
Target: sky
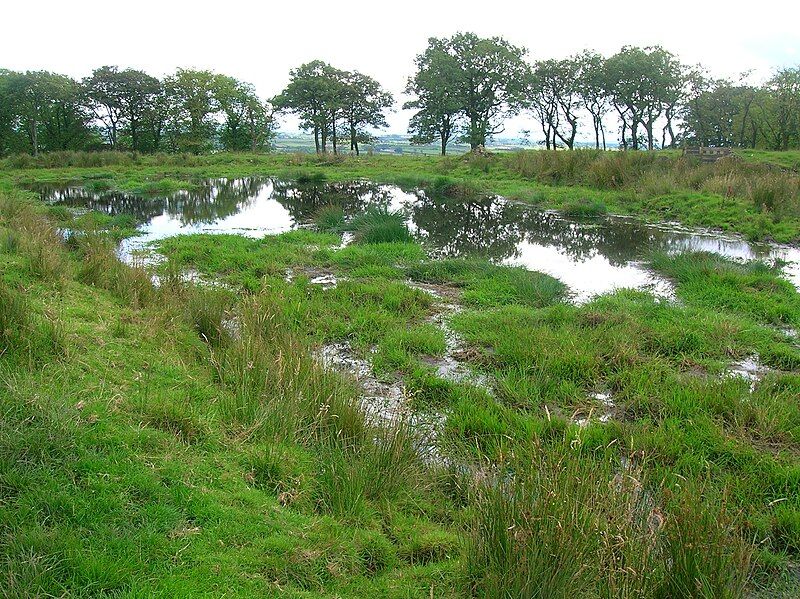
{"points": [[260, 42]]}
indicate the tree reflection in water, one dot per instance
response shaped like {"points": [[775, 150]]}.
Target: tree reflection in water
{"points": [[486, 226]]}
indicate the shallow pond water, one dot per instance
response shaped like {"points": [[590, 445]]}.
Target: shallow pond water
{"points": [[590, 255]]}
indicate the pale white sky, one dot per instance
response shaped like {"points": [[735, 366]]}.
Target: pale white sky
{"points": [[260, 41]]}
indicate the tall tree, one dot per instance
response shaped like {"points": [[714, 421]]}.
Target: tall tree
{"points": [[643, 84], [492, 83], [193, 104], [306, 96], [437, 96], [48, 110], [248, 121], [120, 100], [593, 91], [555, 97], [364, 103], [781, 107]]}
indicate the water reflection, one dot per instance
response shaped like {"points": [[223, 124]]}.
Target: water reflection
{"points": [[591, 256]]}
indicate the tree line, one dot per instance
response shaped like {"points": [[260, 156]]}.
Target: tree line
{"points": [[466, 86], [189, 111], [464, 89]]}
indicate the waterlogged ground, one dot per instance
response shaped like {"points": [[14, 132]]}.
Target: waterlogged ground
{"points": [[556, 399], [591, 255]]}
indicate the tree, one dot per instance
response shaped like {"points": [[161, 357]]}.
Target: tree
{"points": [[103, 91], [487, 77], [193, 103], [436, 88], [364, 102], [306, 96], [120, 100], [47, 109], [593, 91], [644, 83], [248, 121], [492, 83], [554, 96], [326, 98], [781, 106]]}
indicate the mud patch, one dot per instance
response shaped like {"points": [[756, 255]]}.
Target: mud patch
{"points": [[385, 402]]}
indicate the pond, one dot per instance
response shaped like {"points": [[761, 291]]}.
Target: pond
{"points": [[590, 255]]}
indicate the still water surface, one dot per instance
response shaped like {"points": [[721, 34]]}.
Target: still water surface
{"points": [[590, 255]]}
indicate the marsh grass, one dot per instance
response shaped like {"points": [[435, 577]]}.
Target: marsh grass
{"points": [[579, 525], [486, 284], [34, 237], [196, 422], [330, 219], [25, 335], [100, 267], [585, 208], [378, 225]]}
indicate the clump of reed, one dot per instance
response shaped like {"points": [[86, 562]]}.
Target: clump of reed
{"points": [[330, 219], [379, 225], [580, 525]]}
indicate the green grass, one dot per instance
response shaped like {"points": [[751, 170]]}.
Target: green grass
{"points": [[182, 440]]}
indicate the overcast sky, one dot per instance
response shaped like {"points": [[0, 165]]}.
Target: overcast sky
{"points": [[260, 41]]}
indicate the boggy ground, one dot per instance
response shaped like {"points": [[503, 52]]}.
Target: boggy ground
{"points": [[183, 439], [756, 194]]}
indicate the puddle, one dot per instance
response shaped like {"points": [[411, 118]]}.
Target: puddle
{"points": [[316, 276], [385, 402], [749, 369], [602, 411], [449, 366], [591, 256]]}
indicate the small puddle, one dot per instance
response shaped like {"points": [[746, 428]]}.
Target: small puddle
{"points": [[602, 410], [449, 366], [385, 402], [750, 369]]}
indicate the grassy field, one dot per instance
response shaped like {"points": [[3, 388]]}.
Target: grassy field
{"points": [[182, 439], [743, 196]]}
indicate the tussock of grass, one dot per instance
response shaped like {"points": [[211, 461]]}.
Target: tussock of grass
{"points": [[486, 284], [585, 208], [579, 526], [753, 289], [380, 226], [330, 219]]}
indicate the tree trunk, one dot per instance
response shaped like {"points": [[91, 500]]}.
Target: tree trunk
{"points": [[316, 138], [596, 133], [34, 126]]}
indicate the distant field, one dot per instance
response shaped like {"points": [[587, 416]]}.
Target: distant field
{"points": [[789, 159]]}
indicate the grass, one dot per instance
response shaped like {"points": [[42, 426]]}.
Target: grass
{"points": [[148, 430], [182, 439]]}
